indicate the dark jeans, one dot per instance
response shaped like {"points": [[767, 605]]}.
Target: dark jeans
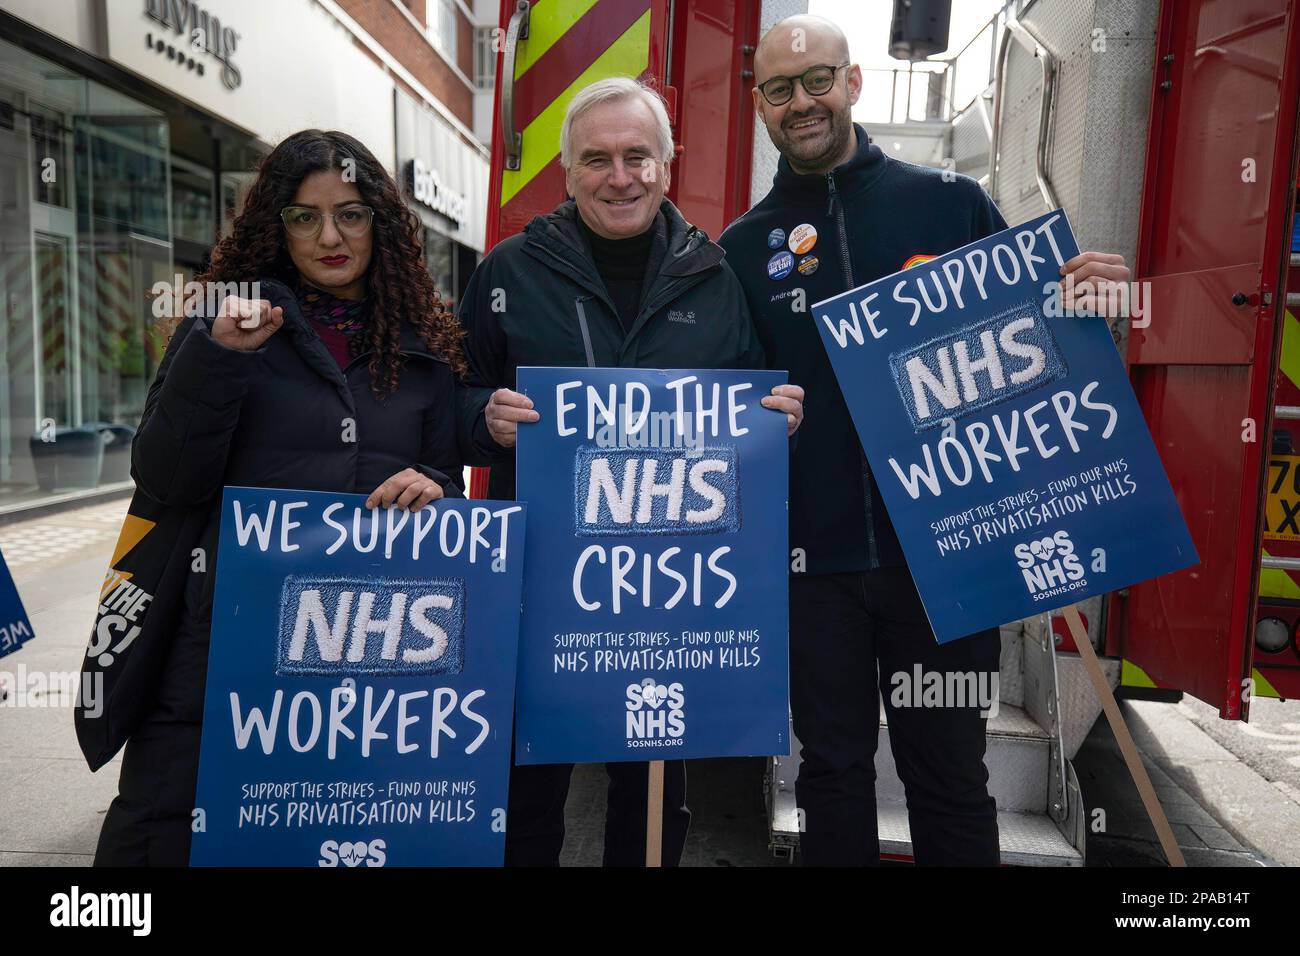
{"points": [[535, 815], [848, 632]]}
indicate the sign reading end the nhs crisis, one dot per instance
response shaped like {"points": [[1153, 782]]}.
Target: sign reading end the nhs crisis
{"points": [[655, 617], [360, 682], [1006, 440]]}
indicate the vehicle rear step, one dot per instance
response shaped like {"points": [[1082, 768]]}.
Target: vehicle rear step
{"points": [[1024, 839]]}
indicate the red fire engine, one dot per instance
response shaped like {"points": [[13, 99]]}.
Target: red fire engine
{"points": [[1167, 129]]}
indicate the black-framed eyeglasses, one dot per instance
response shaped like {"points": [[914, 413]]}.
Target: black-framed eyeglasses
{"points": [[816, 81], [303, 222]]}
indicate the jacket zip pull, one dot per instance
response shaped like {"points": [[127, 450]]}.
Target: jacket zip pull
{"points": [[586, 332], [835, 209]]}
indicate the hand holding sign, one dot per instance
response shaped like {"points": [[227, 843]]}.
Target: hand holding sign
{"points": [[788, 399], [504, 411], [1087, 280], [408, 489]]}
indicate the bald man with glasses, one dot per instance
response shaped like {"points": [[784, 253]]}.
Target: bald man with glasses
{"points": [[842, 213]]}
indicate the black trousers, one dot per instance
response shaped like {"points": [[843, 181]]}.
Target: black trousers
{"points": [[849, 635], [149, 821], [535, 814]]}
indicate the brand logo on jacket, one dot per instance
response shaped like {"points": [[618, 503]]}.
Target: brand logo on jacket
{"points": [[199, 32], [686, 318]]}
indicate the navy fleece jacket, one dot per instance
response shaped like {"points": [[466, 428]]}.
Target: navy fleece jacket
{"points": [[813, 237]]}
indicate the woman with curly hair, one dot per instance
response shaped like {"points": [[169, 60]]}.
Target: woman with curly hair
{"points": [[338, 375]]}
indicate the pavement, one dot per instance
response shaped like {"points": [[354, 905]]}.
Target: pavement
{"points": [[1231, 791], [54, 805]]}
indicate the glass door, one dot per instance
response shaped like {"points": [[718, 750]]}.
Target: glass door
{"points": [[54, 334]]}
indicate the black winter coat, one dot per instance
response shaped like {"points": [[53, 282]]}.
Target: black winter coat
{"points": [[537, 299], [282, 416]]}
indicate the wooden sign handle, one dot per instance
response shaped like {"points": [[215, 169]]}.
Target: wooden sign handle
{"points": [[654, 819], [1122, 736]]}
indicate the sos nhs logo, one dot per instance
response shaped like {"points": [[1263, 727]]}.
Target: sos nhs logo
{"points": [[1050, 565], [656, 714], [353, 853]]}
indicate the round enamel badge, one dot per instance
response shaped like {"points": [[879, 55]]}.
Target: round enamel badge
{"points": [[803, 238], [808, 265], [780, 265], [776, 239]]}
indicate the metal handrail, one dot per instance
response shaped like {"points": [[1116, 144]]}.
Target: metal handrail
{"points": [[1016, 30], [512, 139], [1280, 564]]}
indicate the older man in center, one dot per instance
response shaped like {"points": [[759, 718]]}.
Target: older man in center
{"points": [[613, 277]]}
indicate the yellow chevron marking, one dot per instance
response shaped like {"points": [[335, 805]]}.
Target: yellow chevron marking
{"points": [[1290, 361], [547, 22], [1276, 583], [626, 56], [1133, 676], [1262, 687]]}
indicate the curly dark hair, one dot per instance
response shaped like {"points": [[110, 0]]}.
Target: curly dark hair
{"points": [[398, 285]]}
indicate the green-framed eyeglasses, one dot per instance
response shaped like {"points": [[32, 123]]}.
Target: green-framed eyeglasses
{"points": [[303, 222]]}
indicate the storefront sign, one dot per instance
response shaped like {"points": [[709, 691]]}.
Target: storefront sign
{"points": [[428, 188], [194, 30]]}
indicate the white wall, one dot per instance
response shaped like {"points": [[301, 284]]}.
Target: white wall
{"points": [[342, 89]]}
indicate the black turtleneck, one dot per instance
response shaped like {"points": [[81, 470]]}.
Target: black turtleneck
{"points": [[622, 266]]}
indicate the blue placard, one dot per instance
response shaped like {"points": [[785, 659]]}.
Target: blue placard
{"points": [[15, 625], [360, 682], [1004, 435], [655, 611]]}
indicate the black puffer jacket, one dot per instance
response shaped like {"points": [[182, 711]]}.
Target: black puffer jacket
{"points": [[283, 416], [537, 299]]}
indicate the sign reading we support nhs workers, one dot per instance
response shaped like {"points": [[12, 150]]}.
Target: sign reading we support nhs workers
{"points": [[655, 616], [360, 682], [1006, 440], [15, 626]]}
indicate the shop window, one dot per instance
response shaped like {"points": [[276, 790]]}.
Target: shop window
{"points": [[49, 134], [193, 217], [485, 58], [81, 247], [56, 386], [440, 261], [442, 27]]}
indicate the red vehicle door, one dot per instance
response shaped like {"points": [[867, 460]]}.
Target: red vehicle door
{"points": [[1217, 204]]}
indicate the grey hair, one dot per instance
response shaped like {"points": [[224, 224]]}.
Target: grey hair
{"points": [[608, 90]]}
